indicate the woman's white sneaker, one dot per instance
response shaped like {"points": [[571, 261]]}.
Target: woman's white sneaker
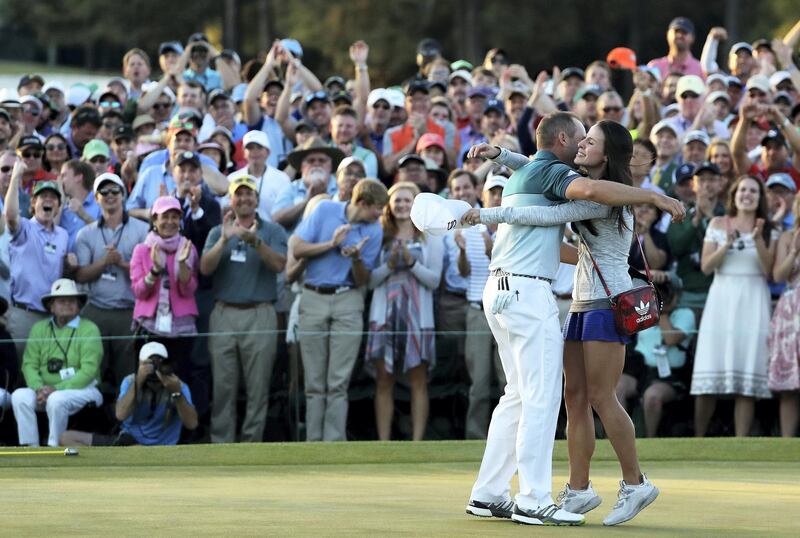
{"points": [[631, 501], [578, 501]]}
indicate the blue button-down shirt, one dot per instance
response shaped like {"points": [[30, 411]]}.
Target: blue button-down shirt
{"points": [[331, 269], [295, 192], [72, 223], [160, 157], [37, 260]]}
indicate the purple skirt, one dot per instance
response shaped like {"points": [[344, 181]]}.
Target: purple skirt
{"points": [[597, 325]]}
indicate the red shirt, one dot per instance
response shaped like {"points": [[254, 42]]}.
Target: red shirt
{"points": [[39, 175], [759, 170]]}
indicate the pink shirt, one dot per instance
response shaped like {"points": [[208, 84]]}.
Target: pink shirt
{"points": [[181, 296], [691, 66]]}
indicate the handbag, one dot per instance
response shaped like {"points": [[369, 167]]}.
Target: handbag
{"points": [[636, 309]]}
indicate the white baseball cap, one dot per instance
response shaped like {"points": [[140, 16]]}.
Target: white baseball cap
{"points": [[347, 161], [256, 137], [378, 94], [432, 214], [152, 348], [395, 97], [495, 180], [463, 74], [108, 177]]}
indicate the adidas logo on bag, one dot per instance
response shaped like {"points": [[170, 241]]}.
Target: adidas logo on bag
{"points": [[643, 310]]}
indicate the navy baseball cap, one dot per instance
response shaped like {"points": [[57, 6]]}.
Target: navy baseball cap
{"points": [[494, 105], [417, 85], [683, 172], [573, 72], [707, 166], [682, 23], [170, 46]]}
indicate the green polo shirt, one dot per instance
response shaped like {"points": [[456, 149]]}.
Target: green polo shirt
{"points": [[77, 344]]}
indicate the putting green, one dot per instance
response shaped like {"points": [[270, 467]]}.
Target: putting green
{"points": [[713, 487]]}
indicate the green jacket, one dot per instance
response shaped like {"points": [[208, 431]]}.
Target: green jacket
{"points": [[84, 353], [686, 245]]}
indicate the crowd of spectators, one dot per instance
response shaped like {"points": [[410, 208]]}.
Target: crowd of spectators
{"points": [[167, 237]]}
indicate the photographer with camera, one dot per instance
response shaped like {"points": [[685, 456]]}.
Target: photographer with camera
{"points": [[153, 405], [61, 366]]}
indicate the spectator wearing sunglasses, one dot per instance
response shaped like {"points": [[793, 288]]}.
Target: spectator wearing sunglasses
{"points": [[80, 207], [111, 119], [56, 152], [610, 107], [31, 114], [692, 113], [31, 151], [98, 155], [104, 249]]}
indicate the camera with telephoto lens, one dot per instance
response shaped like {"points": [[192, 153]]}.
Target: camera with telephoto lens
{"points": [[161, 364]]}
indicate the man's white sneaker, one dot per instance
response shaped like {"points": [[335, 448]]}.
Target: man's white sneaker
{"points": [[499, 509], [631, 501], [546, 515], [578, 501]]}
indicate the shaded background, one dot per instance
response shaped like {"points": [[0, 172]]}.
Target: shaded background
{"points": [[95, 34]]}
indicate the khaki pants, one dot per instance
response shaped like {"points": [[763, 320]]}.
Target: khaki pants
{"points": [[330, 336], [481, 357], [118, 359], [254, 355], [19, 326]]}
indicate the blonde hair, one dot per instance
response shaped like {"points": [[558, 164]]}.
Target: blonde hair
{"points": [[388, 221], [370, 191]]}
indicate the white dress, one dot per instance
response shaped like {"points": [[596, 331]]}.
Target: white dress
{"points": [[732, 355]]}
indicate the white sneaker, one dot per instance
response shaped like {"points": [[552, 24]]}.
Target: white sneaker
{"points": [[578, 501], [631, 501], [546, 515]]}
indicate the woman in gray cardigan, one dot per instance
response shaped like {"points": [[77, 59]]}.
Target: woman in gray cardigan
{"points": [[401, 323], [594, 353]]}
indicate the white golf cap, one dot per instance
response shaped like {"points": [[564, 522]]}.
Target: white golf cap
{"points": [[713, 96], [433, 214], [378, 94], [78, 94], [395, 97], [347, 161], [152, 348], [256, 137], [463, 74], [108, 177], [495, 180]]}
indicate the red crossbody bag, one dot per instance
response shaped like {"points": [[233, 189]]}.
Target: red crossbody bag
{"points": [[636, 309]]}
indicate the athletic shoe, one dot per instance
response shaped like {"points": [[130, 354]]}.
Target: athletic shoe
{"points": [[499, 509], [631, 501], [546, 515], [578, 501]]}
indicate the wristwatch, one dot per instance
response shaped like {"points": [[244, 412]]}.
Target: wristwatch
{"points": [[175, 396]]}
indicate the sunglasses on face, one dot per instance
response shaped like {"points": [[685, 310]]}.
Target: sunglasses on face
{"points": [[98, 160], [382, 106], [689, 95], [56, 147], [31, 111], [162, 106], [31, 154], [608, 109], [109, 104], [106, 191], [5, 169]]}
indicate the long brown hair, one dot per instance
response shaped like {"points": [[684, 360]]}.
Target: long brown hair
{"points": [[388, 222], [618, 149], [762, 212]]}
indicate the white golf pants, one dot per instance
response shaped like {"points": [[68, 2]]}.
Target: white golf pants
{"points": [[60, 405], [523, 317]]}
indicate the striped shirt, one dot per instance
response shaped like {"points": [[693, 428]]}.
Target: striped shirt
{"points": [[478, 262]]}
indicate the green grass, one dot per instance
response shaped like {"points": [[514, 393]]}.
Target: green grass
{"points": [[20, 68], [710, 487]]}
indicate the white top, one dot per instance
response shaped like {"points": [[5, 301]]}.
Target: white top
{"points": [[270, 184]]}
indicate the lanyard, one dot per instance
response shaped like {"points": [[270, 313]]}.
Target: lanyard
{"points": [[116, 236], [69, 343]]}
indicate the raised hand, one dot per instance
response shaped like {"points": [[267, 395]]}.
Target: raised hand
{"points": [[359, 51], [155, 256], [184, 253], [483, 151]]}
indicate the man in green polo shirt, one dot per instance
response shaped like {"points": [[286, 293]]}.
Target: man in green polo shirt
{"points": [[61, 366]]}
